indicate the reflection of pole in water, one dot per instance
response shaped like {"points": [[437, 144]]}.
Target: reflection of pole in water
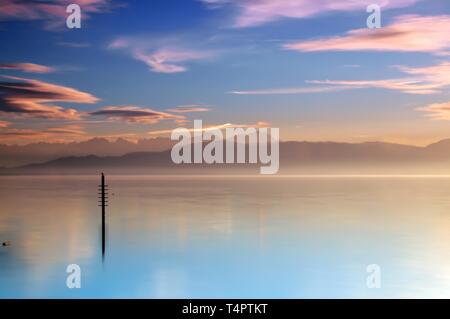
{"points": [[103, 197]]}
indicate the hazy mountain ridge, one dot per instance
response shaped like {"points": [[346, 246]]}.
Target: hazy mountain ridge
{"points": [[18, 155], [311, 156]]}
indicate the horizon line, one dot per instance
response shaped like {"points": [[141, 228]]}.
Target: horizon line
{"points": [[137, 140]]}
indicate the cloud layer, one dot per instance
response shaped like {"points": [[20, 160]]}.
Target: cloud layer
{"points": [[56, 134], [213, 127], [437, 111], [134, 114], [51, 11], [407, 33], [292, 90], [170, 60], [4, 124], [27, 67], [419, 80], [189, 109], [21, 97], [162, 55], [258, 12]]}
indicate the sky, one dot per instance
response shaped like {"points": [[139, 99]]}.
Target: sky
{"points": [[138, 69]]}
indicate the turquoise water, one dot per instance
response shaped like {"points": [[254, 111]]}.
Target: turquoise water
{"points": [[226, 237]]}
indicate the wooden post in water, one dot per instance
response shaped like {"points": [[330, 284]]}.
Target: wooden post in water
{"points": [[103, 197]]}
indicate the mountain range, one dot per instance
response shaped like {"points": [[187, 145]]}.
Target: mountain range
{"points": [[18, 155], [153, 156]]}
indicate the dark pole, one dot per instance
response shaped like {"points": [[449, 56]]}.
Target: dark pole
{"points": [[103, 202], [103, 214]]}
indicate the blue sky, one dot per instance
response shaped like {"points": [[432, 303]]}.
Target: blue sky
{"points": [[240, 62]]}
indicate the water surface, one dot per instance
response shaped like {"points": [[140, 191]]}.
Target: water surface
{"points": [[226, 236]]}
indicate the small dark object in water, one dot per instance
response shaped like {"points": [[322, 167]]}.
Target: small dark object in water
{"points": [[6, 243]]}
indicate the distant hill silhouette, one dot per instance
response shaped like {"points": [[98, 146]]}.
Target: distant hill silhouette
{"points": [[17, 155], [303, 157]]}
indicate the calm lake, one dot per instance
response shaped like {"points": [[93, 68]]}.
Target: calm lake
{"points": [[226, 236]]}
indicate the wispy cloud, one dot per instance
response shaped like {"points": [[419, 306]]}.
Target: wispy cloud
{"points": [[22, 97], [27, 67], [134, 114], [67, 130], [170, 60], [65, 133], [4, 124], [213, 127], [292, 90], [419, 80], [189, 109], [437, 111], [53, 12], [73, 44], [162, 55], [130, 137], [252, 13], [407, 33]]}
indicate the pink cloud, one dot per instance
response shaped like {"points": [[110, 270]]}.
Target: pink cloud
{"points": [[419, 80], [437, 111], [22, 97], [4, 124], [408, 33], [27, 67], [291, 90], [189, 109], [71, 129], [162, 55], [52, 11], [170, 60], [59, 134], [257, 12], [259, 124], [134, 114]]}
